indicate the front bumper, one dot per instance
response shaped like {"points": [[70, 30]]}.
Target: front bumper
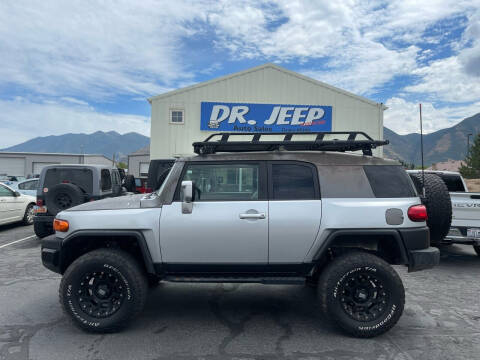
{"points": [[51, 247]]}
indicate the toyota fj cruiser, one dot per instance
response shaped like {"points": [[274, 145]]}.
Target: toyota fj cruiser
{"points": [[61, 187], [289, 211]]}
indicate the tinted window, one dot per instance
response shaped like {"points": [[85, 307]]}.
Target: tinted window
{"points": [[106, 180], [454, 182], [293, 182], [80, 177], [389, 181], [224, 182], [4, 191]]}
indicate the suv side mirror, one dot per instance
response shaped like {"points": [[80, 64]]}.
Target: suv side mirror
{"points": [[187, 197], [16, 194]]}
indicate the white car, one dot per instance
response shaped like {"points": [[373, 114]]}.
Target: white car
{"points": [[15, 206]]}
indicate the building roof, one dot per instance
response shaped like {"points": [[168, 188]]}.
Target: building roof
{"points": [[53, 154], [265, 66], [143, 151]]}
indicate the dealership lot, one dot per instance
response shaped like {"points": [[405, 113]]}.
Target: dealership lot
{"points": [[210, 321]]}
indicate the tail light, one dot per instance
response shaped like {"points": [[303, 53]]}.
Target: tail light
{"points": [[417, 213], [39, 202]]}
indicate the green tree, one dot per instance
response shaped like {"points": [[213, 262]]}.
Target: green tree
{"points": [[471, 169], [121, 165]]}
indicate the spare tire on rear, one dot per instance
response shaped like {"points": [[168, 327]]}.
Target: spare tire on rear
{"points": [[130, 183], [62, 197], [438, 203]]}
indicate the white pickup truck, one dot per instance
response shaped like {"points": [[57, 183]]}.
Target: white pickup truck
{"points": [[465, 228]]}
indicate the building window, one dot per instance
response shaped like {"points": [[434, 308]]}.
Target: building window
{"points": [[177, 116]]}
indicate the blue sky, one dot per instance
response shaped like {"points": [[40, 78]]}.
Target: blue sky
{"points": [[82, 66]]}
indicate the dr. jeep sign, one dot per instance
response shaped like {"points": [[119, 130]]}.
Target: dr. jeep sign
{"points": [[216, 116]]}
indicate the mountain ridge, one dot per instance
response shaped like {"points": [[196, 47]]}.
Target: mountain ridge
{"points": [[98, 142], [442, 145]]}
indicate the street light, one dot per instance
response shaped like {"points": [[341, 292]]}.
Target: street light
{"points": [[468, 142]]}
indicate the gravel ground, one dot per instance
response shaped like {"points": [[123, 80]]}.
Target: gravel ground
{"points": [[226, 321]]}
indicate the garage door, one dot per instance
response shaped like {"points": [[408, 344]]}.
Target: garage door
{"points": [[12, 166], [38, 166], [144, 168]]}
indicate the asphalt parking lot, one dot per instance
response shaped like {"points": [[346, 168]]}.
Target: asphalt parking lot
{"points": [[209, 321]]}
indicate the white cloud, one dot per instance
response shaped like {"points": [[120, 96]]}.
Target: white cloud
{"points": [[403, 116], [357, 40], [95, 49], [22, 120]]}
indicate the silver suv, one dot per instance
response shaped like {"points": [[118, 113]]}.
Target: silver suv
{"points": [[251, 210]]}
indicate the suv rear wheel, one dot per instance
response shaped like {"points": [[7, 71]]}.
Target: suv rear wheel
{"points": [[362, 294], [103, 290]]}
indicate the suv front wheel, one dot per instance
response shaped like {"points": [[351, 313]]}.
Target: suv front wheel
{"points": [[103, 290], [362, 294]]}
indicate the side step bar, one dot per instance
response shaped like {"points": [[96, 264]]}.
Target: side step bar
{"points": [[277, 280]]}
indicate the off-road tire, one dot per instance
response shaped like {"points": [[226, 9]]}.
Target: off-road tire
{"points": [[42, 230], [438, 203], [63, 196], [477, 249], [131, 279], [28, 216], [379, 275]]}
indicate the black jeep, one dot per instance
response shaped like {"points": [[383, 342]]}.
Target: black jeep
{"points": [[63, 186]]}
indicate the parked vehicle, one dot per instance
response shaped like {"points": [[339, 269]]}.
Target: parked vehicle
{"points": [[26, 187], [272, 212], [61, 187], [141, 186], [465, 226], [15, 207]]}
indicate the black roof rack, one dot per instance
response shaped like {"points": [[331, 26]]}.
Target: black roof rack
{"points": [[222, 142]]}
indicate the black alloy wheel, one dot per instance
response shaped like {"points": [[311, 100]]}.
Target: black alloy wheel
{"points": [[63, 201], [101, 294], [363, 297]]}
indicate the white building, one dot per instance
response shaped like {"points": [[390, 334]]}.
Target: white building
{"points": [[267, 98], [30, 163], [139, 161]]}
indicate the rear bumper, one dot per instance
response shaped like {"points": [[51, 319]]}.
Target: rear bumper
{"points": [[417, 244], [423, 259], [43, 218], [51, 247]]}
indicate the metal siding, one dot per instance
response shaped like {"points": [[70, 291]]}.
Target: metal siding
{"points": [[14, 166], [266, 85]]}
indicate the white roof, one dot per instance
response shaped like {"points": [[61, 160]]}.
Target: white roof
{"points": [[265, 66]]}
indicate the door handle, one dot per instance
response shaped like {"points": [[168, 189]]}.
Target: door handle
{"points": [[252, 216]]}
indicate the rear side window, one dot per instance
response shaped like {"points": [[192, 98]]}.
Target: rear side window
{"points": [[28, 185], [106, 180], [454, 182], [293, 182], [83, 178], [389, 181]]}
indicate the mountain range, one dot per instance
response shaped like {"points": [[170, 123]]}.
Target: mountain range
{"points": [[105, 143], [441, 145]]}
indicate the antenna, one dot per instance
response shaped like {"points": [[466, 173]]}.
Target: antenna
{"points": [[421, 150]]}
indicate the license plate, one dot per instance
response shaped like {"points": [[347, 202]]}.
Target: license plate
{"points": [[473, 233], [39, 209]]}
